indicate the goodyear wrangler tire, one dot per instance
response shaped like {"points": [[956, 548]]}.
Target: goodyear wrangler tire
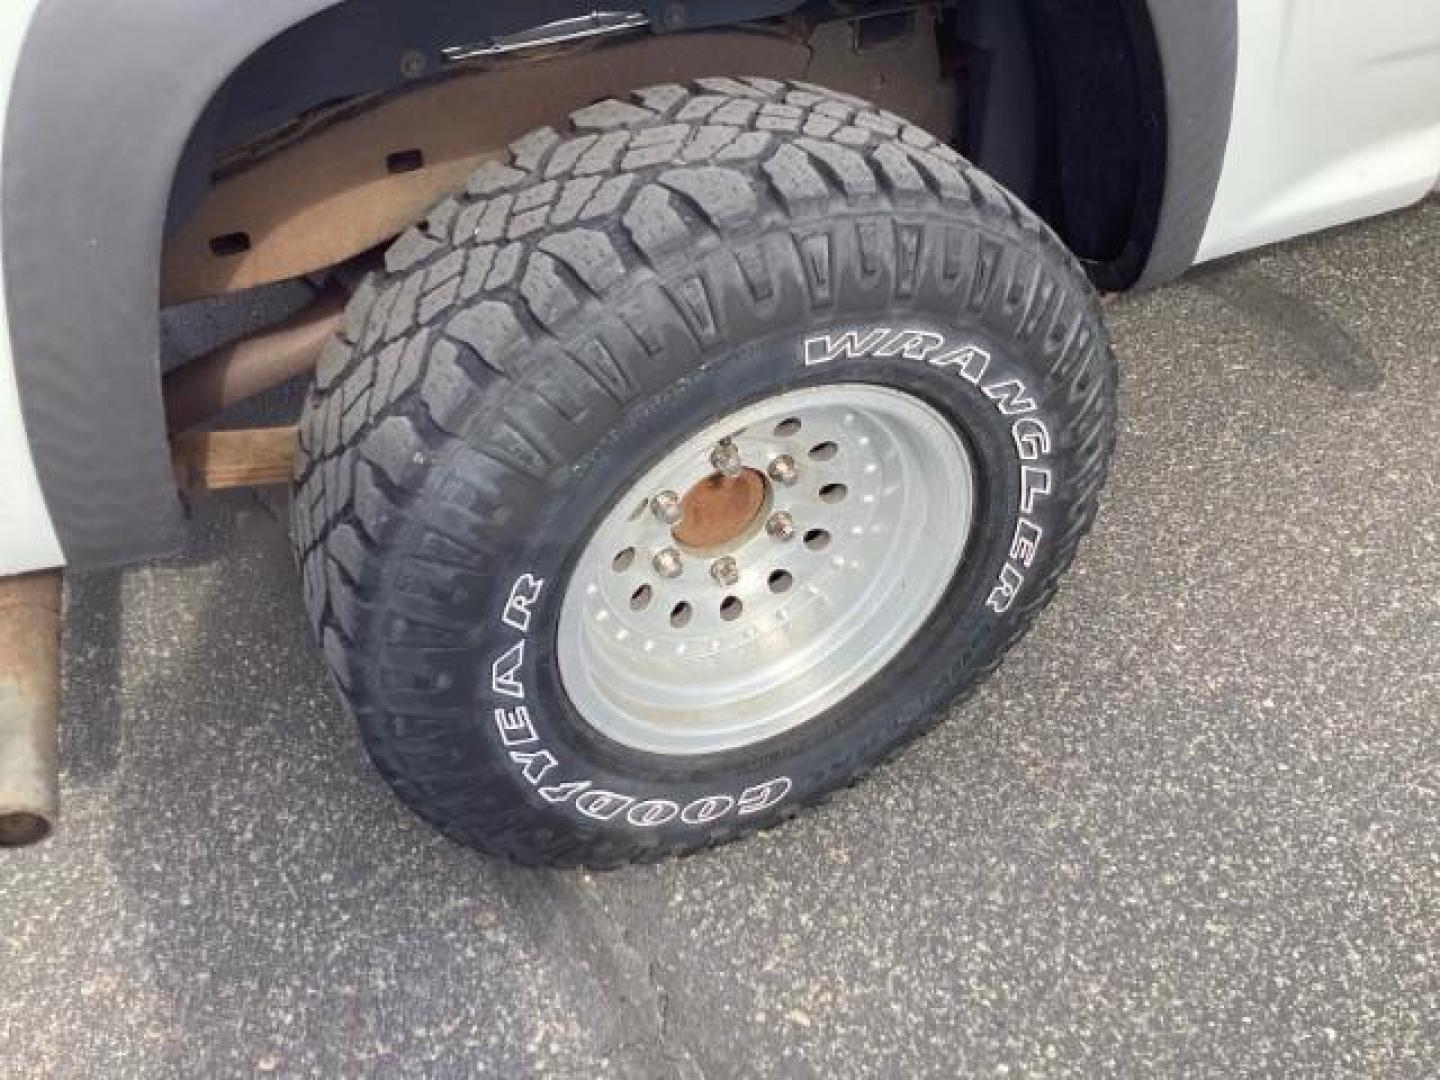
{"points": [[689, 464]]}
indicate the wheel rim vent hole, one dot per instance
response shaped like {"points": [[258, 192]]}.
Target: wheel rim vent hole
{"points": [[824, 451], [781, 581], [833, 493], [623, 560], [731, 608], [640, 598], [817, 539], [786, 428], [680, 615]]}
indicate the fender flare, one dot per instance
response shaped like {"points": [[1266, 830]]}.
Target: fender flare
{"points": [[1199, 59], [104, 99]]}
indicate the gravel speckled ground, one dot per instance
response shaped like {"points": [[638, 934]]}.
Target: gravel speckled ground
{"points": [[1190, 829]]}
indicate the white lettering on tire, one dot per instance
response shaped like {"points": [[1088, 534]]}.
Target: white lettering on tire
{"points": [[707, 809], [505, 671], [602, 805], [1011, 398], [523, 596], [536, 763], [534, 766], [763, 796], [652, 812], [515, 727]]}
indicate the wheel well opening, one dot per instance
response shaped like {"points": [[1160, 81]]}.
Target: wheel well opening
{"points": [[337, 134], [1060, 100], [1065, 106], [334, 137]]}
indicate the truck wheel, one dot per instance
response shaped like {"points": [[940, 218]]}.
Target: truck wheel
{"points": [[689, 464]]}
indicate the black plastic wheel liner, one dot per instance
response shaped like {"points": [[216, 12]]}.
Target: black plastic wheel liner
{"points": [[1110, 118]]}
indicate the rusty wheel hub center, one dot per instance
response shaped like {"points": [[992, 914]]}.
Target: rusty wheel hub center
{"points": [[721, 510]]}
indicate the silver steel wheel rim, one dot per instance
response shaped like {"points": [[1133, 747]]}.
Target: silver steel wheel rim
{"points": [[882, 502]]}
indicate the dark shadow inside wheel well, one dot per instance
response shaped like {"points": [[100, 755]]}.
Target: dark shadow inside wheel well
{"points": [[1066, 108], [1064, 99], [356, 48]]}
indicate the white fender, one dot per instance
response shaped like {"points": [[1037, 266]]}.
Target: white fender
{"points": [[27, 536], [1336, 118]]}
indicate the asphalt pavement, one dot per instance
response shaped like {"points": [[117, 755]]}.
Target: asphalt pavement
{"points": [[1190, 829]]}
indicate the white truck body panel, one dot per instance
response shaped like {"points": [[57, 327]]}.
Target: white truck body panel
{"points": [[1336, 118], [27, 536]]}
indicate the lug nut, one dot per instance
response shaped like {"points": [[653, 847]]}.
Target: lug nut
{"points": [[783, 470], [667, 563], [725, 571], [726, 459], [666, 507], [781, 526]]}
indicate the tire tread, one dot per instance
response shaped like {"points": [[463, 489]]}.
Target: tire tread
{"points": [[557, 254]]}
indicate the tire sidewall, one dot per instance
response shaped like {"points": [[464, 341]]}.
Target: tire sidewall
{"points": [[518, 715]]}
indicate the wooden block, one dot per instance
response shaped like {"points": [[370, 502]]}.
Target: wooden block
{"points": [[216, 460]]}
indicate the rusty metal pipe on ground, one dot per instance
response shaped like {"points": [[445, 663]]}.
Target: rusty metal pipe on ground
{"points": [[209, 385], [29, 707]]}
